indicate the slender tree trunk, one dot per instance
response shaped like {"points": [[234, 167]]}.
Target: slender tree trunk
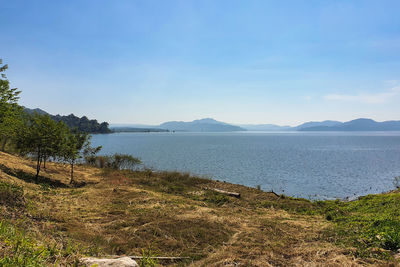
{"points": [[44, 162], [72, 173], [38, 163], [3, 145]]}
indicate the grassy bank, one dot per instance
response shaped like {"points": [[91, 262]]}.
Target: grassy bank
{"points": [[109, 212]]}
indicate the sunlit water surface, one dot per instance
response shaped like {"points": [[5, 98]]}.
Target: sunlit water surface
{"points": [[322, 165]]}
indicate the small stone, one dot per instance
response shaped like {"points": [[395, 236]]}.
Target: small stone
{"points": [[118, 262], [397, 255]]}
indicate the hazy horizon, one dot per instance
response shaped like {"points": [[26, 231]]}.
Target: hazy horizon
{"points": [[231, 123], [240, 62]]}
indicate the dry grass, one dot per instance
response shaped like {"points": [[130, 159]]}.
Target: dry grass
{"points": [[123, 212]]}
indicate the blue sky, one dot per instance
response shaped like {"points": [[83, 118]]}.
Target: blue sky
{"points": [[282, 62]]}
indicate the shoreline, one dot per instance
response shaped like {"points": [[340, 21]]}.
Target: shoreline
{"points": [[172, 214]]}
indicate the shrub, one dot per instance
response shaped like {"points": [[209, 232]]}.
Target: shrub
{"points": [[101, 161], [116, 161], [123, 161]]}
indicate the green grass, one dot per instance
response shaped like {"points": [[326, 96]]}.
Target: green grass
{"points": [[21, 250], [372, 221], [11, 195], [148, 259], [291, 204]]}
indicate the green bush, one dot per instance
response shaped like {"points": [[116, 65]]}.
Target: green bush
{"points": [[116, 161], [123, 161]]}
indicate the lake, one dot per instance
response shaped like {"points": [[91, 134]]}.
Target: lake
{"points": [[316, 165]]}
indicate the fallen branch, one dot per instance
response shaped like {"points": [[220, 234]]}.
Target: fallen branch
{"points": [[160, 258], [272, 192], [232, 194]]}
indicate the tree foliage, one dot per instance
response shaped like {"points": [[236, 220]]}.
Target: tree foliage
{"points": [[83, 124], [62, 138], [10, 111], [43, 138], [75, 141]]}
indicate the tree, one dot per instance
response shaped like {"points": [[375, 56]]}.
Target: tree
{"points": [[89, 153], [42, 137], [10, 111], [71, 150]]}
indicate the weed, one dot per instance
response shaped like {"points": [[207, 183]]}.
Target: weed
{"points": [[21, 250], [148, 259]]}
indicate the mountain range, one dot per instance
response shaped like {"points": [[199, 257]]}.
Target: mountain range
{"points": [[203, 125], [211, 125], [357, 125]]}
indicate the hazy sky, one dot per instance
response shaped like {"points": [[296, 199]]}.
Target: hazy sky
{"points": [[146, 61]]}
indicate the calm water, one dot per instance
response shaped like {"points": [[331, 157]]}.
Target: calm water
{"points": [[311, 165]]}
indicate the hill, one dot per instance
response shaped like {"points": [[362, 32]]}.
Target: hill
{"points": [[109, 212], [311, 124], [203, 125], [83, 124], [137, 130], [35, 110], [273, 127], [265, 127], [358, 125]]}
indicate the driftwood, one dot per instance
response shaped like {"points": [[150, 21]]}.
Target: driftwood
{"points": [[160, 258], [120, 261], [272, 192], [232, 194]]}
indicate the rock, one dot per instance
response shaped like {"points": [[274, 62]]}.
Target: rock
{"points": [[397, 255], [118, 262]]}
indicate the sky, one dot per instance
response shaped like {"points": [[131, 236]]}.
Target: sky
{"points": [[250, 62]]}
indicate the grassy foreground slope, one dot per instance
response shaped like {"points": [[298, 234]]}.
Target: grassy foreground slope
{"points": [[172, 214]]}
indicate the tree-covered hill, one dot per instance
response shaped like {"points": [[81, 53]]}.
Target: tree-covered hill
{"points": [[83, 124]]}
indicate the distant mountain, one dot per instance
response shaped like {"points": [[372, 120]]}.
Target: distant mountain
{"points": [[265, 127], [137, 130], [132, 125], [273, 127], [211, 125], [83, 124], [203, 125], [358, 125], [37, 110], [317, 124]]}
